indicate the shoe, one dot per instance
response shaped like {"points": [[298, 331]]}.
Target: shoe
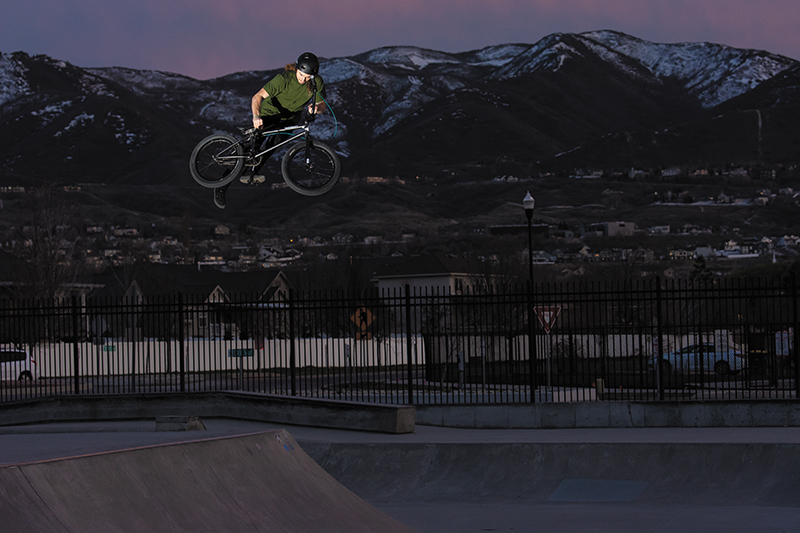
{"points": [[219, 198], [257, 179]]}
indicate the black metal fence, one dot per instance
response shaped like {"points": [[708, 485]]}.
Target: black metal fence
{"points": [[653, 340]]}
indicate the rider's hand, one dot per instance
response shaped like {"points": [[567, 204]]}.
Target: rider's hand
{"points": [[258, 122]]}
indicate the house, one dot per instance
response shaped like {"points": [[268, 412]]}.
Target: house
{"points": [[125, 232], [680, 255], [221, 230], [704, 251], [611, 254], [436, 273], [609, 229], [537, 230], [671, 172], [209, 299], [645, 255], [658, 230]]}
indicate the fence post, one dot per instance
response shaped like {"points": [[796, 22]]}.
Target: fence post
{"points": [[292, 361], [796, 335], [75, 347], [181, 344], [532, 362], [659, 333], [409, 349]]}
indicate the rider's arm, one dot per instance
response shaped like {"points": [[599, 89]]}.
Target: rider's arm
{"points": [[255, 107]]}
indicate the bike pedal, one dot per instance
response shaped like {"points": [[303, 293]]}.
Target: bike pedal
{"points": [[253, 180]]}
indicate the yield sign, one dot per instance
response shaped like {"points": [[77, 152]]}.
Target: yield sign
{"points": [[547, 315]]}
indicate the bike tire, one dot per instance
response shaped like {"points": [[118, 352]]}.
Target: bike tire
{"points": [[313, 175], [207, 169]]}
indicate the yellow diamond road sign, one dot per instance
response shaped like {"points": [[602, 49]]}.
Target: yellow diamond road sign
{"points": [[362, 318]]}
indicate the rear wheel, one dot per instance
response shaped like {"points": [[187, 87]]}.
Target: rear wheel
{"points": [[216, 161], [312, 169], [723, 368]]}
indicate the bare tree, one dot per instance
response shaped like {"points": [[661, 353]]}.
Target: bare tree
{"points": [[49, 245]]}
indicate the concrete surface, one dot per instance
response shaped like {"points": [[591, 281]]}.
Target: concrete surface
{"points": [[473, 480], [616, 414], [259, 482], [397, 419], [247, 406]]}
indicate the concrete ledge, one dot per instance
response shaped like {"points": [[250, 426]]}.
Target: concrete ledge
{"points": [[738, 413], [179, 423], [247, 406]]}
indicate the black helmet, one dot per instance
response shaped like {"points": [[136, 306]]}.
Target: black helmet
{"points": [[308, 63]]}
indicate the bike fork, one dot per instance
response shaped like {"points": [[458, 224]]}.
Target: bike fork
{"points": [[309, 164]]}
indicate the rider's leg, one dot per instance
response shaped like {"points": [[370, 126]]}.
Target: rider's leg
{"points": [[270, 140], [270, 123]]}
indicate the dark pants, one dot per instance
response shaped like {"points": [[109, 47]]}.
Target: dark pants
{"points": [[273, 123]]}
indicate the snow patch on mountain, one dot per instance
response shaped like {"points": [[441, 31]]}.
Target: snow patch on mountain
{"points": [[13, 84], [147, 81], [125, 135], [338, 70], [550, 53], [226, 106], [96, 86], [79, 122], [714, 73], [51, 112], [495, 56], [406, 57]]}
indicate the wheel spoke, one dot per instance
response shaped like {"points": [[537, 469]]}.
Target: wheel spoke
{"points": [[216, 161], [311, 170]]}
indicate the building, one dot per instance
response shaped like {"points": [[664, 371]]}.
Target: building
{"points": [[157, 284], [436, 273], [609, 229]]}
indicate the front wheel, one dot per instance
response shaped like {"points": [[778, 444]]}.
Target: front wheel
{"points": [[311, 169], [216, 161]]}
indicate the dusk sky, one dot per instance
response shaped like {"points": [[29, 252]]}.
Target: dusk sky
{"points": [[209, 38]]}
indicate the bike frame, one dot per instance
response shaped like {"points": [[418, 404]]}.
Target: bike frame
{"points": [[305, 132]]}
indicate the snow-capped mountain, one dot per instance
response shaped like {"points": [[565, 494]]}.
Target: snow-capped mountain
{"points": [[600, 96], [712, 73]]}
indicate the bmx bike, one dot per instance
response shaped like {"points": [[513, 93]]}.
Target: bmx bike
{"points": [[309, 167]]}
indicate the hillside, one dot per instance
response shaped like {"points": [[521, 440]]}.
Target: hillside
{"points": [[445, 123]]}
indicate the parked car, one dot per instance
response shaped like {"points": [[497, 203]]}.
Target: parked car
{"points": [[702, 357], [16, 365]]}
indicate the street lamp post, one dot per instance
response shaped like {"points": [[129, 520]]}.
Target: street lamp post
{"points": [[528, 202]]}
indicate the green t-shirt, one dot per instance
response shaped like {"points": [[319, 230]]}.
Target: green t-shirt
{"points": [[286, 95]]}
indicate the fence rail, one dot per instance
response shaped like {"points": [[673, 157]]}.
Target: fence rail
{"points": [[653, 340]]}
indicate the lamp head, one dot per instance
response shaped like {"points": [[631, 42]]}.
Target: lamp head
{"points": [[528, 202]]}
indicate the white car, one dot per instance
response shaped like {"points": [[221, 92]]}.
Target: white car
{"points": [[705, 357], [16, 365]]}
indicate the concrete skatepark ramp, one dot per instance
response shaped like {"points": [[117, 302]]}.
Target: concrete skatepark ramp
{"points": [[262, 482], [670, 481], [753, 474]]}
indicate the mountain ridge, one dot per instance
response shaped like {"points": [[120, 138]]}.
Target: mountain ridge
{"points": [[402, 110]]}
